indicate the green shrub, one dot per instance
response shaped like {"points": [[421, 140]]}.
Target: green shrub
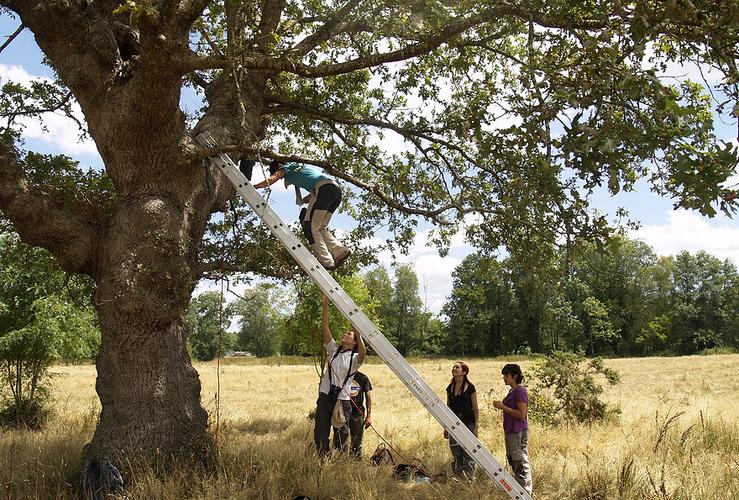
{"points": [[57, 329], [542, 408], [575, 394]]}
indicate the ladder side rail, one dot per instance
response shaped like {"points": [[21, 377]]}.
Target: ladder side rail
{"points": [[383, 347]]}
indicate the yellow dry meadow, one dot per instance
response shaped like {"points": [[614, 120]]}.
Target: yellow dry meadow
{"points": [[677, 436]]}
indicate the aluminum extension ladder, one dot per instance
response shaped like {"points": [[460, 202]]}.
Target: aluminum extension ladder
{"points": [[362, 324]]}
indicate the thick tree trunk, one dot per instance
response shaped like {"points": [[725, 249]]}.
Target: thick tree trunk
{"points": [[149, 391], [144, 255]]}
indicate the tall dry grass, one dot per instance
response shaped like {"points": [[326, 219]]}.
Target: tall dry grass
{"points": [[677, 437]]}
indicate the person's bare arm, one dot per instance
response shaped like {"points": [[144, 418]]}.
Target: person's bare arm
{"points": [[523, 409], [361, 348], [271, 179], [368, 414], [521, 412]]}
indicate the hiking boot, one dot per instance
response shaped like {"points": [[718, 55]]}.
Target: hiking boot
{"points": [[341, 259]]}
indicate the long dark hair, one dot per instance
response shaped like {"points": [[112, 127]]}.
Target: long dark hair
{"points": [[513, 369]]}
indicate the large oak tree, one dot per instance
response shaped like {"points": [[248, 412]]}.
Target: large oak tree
{"points": [[512, 111]]}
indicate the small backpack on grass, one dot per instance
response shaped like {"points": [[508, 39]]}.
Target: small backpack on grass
{"points": [[101, 478], [411, 473], [382, 456]]}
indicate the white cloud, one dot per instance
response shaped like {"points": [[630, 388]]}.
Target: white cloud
{"points": [[693, 72], [60, 133], [688, 231], [434, 272], [16, 74]]}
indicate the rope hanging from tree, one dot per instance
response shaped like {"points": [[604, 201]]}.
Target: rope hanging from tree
{"points": [[221, 309], [224, 232]]}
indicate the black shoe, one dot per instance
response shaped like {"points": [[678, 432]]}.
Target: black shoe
{"points": [[246, 166]]}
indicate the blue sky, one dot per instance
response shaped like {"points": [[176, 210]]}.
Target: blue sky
{"points": [[666, 230]]}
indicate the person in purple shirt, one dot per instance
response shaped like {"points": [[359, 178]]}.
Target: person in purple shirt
{"points": [[516, 425]]}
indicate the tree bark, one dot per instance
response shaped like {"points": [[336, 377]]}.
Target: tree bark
{"points": [[143, 255], [149, 391]]}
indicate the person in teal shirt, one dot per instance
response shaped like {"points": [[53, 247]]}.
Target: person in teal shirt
{"points": [[323, 198]]}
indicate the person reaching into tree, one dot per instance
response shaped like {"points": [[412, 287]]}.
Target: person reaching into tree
{"points": [[323, 198], [516, 425], [333, 395]]}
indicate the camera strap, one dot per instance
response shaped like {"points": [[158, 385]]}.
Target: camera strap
{"points": [[349, 371]]}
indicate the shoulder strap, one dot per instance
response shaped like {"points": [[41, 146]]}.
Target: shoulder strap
{"points": [[330, 380], [349, 371]]}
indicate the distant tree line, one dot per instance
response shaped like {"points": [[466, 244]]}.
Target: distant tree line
{"points": [[621, 300]]}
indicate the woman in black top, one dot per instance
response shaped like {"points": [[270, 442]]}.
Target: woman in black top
{"points": [[461, 398]]}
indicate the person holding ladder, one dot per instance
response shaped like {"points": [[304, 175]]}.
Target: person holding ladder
{"points": [[334, 392]]}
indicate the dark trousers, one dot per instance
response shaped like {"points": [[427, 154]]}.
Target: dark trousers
{"points": [[322, 429], [463, 463], [341, 435], [356, 429]]}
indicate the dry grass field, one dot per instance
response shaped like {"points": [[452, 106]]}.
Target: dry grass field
{"points": [[677, 437]]}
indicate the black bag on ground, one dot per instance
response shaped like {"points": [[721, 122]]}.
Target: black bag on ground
{"points": [[411, 473], [101, 478]]}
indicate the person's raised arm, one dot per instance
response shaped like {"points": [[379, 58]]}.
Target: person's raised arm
{"points": [[271, 179], [327, 337], [361, 348]]}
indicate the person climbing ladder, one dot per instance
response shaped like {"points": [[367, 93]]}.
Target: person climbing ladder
{"points": [[323, 199]]}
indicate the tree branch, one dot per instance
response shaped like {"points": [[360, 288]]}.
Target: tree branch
{"points": [[215, 270], [270, 19], [326, 115], [65, 32], [37, 111], [325, 32], [12, 37], [64, 230], [287, 63], [191, 10]]}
